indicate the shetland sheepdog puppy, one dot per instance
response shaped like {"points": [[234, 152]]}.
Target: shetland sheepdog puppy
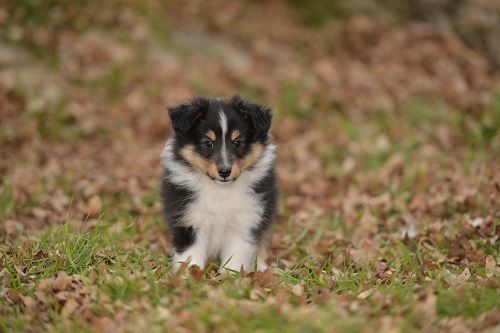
{"points": [[218, 182]]}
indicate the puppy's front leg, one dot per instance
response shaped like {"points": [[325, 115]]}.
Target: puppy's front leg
{"points": [[238, 252], [196, 254]]}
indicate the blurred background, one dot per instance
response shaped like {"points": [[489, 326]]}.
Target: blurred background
{"points": [[369, 96], [387, 118]]}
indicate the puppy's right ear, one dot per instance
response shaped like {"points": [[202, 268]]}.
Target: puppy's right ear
{"points": [[184, 116]]}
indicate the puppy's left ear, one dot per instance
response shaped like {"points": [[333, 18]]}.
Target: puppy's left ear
{"points": [[184, 116], [259, 116]]}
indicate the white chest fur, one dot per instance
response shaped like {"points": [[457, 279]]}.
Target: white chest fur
{"points": [[223, 211], [223, 215]]}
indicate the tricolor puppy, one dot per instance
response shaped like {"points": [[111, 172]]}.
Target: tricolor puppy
{"points": [[218, 184]]}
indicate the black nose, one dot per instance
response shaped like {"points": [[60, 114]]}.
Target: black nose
{"points": [[224, 172]]}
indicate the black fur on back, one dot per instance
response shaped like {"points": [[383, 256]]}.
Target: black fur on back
{"points": [[175, 200], [268, 191]]}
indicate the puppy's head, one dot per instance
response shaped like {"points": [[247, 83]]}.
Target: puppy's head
{"points": [[220, 137]]}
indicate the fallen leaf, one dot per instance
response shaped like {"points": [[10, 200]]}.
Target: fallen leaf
{"points": [[255, 294], [61, 281], [427, 307], [39, 254], [69, 307], [457, 279], [490, 267], [40, 213], [195, 272], [264, 279], [64, 295], [394, 165], [13, 297], [6, 282], [365, 252], [104, 325], [418, 203], [20, 271], [29, 303], [298, 290], [477, 222], [13, 228], [94, 205], [163, 313], [366, 227], [365, 294]]}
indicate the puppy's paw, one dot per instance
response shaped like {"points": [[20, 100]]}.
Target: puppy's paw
{"points": [[261, 265]]}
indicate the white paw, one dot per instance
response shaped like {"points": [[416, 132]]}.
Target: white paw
{"points": [[261, 265]]}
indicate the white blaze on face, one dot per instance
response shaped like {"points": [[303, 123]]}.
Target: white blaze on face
{"points": [[223, 125]]}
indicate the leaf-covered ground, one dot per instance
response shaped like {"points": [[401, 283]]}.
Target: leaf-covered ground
{"points": [[389, 167]]}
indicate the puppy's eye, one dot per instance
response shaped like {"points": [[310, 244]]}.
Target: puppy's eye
{"points": [[209, 144], [238, 144]]}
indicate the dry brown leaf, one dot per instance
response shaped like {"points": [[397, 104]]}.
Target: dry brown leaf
{"points": [[13, 227], [69, 308], [6, 282], [366, 227], [39, 254], [394, 165], [40, 213], [264, 279], [389, 324], [256, 294], [490, 266], [298, 290], [64, 295], [365, 252], [195, 272], [383, 201], [61, 282], [476, 222], [179, 272], [104, 325], [427, 307], [29, 303], [365, 294], [418, 203], [20, 270], [13, 296], [458, 279], [94, 205]]}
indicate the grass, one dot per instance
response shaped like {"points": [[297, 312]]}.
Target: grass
{"points": [[7, 202], [318, 12], [118, 275], [469, 302], [121, 272]]}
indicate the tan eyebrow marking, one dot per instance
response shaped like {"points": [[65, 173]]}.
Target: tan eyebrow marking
{"points": [[235, 135], [211, 135]]}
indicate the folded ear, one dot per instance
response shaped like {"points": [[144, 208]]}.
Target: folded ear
{"points": [[259, 116], [184, 116]]}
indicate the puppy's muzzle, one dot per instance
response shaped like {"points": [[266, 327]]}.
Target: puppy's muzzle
{"points": [[224, 171]]}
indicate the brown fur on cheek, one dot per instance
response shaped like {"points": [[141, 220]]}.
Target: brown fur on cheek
{"points": [[235, 172], [212, 170], [195, 159], [249, 160]]}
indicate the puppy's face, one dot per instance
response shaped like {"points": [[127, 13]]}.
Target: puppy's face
{"points": [[220, 137]]}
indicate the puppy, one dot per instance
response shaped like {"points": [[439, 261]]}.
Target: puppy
{"points": [[218, 184]]}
